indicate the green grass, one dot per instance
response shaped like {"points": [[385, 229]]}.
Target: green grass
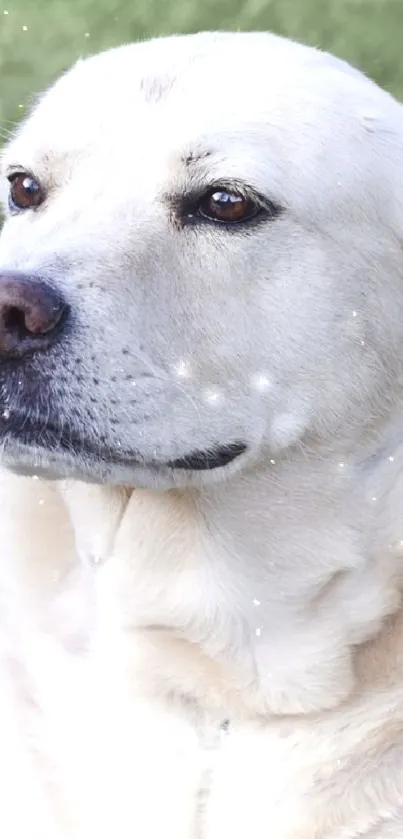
{"points": [[40, 38]]}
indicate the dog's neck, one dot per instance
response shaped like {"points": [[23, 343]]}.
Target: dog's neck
{"points": [[269, 585]]}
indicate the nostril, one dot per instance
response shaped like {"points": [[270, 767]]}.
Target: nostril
{"points": [[37, 319], [30, 311], [14, 321]]}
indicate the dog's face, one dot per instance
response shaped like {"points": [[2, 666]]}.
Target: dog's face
{"points": [[220, 219]]}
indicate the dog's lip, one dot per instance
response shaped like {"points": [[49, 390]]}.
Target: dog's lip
{"points": [[54, 439], [208, 459], [48, 436]]}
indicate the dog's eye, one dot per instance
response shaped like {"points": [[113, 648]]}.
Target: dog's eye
{"points": [[25, 192], [226, 206]]}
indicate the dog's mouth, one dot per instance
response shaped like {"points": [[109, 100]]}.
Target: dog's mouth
{"points": [[214, 458], [47, 437]]}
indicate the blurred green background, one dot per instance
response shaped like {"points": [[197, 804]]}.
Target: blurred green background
{"points": [[40, 38]]}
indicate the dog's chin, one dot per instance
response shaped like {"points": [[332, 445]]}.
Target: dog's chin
{"points": [[50, 456]]}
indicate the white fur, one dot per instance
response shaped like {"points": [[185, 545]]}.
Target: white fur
{"points": [[136, 622]]}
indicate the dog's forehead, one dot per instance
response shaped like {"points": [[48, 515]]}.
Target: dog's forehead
{"points": [[196, 85], [231, 100]]}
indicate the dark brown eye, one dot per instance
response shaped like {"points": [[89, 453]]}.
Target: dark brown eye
{"points": [[25, 192], [227, 207]]}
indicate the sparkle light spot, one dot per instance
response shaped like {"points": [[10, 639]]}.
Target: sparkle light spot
{"points": [[182, 369], [354, 313], [212, 396], [6, 413], [391, 459], [25, 28], [258, 632], [374, 498], [87, 35], [362, 343], [41, 501], [261, 382], [256, 602], [272, 461], [6, 12]]}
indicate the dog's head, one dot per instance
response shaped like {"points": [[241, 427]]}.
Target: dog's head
{"points": [[202, 261]]}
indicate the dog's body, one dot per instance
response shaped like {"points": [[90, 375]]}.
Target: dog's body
{"points": [[93, 755], [201, 583]]}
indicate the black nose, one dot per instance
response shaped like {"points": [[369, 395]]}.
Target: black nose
{"points": [[30, 313]]}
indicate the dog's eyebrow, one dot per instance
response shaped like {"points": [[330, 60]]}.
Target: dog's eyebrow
{"points": [[192, 158]]}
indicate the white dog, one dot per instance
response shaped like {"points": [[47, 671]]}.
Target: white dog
{"points": [[201, 384]]}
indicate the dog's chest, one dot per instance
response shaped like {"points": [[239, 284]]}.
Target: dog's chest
{"points": [[262, 784], [341, 780], [110, 764]]}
